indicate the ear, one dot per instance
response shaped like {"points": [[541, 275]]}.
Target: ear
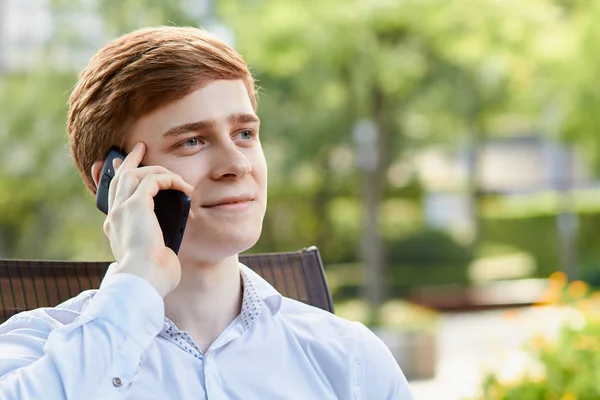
{"points": [[96, 171]]}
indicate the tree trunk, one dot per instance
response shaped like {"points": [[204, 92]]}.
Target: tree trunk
{"points": [[374, 189], [476, 138], [321, 202]]}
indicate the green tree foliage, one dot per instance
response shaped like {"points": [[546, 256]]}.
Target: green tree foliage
{"points": [[426, 71]]}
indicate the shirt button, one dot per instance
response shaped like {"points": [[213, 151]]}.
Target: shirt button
{"points": [[117, 382]]}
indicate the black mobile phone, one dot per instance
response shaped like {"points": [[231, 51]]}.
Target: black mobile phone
{"points": [[170, 206]]}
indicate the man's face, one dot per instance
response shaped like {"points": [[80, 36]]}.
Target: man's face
{"points": [[210, 138]]}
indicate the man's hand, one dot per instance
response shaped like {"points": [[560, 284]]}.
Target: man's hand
{"points": [[132, 227]]}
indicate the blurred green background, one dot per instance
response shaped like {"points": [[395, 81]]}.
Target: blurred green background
{"points": [[432, 141], [426, 147]]}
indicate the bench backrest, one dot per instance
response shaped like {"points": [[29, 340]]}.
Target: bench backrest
{"points": [[29, 284]]}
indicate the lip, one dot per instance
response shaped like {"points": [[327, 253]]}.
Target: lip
{"points": [[232, 207], [231, 202]]}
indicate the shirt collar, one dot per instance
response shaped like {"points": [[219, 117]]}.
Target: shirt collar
{"points": [[256, 285], [257, 293]]}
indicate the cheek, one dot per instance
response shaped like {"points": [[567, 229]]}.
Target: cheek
{"points": [[192, 171], [259, 167]]}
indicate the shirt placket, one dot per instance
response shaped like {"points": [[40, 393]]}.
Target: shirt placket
{"points": [[252, 306]]}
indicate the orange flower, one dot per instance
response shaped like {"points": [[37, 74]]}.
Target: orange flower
{"points": [[558, 277], [595, 297], [550, 296], [578, 289]]}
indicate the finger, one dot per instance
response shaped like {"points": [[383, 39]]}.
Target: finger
{"points": [[132, 160], [135, 157], [116, 163], [130, 180], [151, 185]]}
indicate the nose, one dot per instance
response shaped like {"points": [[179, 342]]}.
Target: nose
{"points": [[229, 162]]}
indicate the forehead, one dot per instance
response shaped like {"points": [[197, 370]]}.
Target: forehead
{"points": [[214, 102]]}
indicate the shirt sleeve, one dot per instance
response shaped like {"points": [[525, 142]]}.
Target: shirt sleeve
{"points": [[97, 356], [382, 378]]}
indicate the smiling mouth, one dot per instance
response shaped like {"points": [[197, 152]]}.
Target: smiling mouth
{"points": [[232, 203], [232, 207]]}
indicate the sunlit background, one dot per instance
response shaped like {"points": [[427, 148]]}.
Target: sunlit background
{"points": [[443, 155]]}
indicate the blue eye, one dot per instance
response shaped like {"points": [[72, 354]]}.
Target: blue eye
{"points": [[191, 142], [246, 135]]}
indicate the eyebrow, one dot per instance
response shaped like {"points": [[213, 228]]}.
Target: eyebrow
{"points": [[232, 119]]}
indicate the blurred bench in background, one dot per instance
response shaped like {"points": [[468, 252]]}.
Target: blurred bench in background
{"points": [[481, 296]]}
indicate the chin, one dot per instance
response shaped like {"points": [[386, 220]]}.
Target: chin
{"points": [[218, 247]]}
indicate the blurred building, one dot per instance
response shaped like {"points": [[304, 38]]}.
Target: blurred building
{"points": [[29, 32], [505, 166], [36, 32]]}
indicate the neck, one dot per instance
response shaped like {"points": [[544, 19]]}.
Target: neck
{"points": [[206, 300]]}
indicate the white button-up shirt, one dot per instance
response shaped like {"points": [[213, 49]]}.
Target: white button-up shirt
{"points": [[115, 343]]}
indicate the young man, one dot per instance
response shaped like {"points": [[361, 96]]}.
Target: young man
{"points": [[197, 325]]}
